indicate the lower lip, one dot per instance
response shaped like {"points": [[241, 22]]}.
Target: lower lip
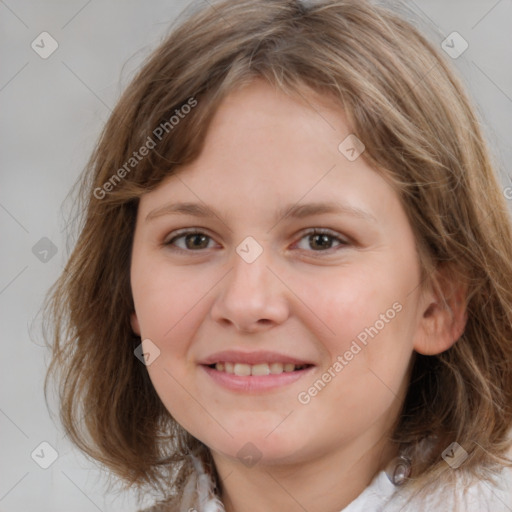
{"points": [[255, 383]]}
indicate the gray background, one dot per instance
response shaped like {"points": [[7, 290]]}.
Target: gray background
{"points": [[51, 113]]}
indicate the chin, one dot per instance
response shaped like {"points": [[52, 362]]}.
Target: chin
{"points": [[251, 446]]}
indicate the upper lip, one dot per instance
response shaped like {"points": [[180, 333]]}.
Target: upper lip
{"points": [[259, 357]]}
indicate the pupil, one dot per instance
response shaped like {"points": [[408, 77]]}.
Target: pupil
{"points": [[324, 240], [195, 239]]}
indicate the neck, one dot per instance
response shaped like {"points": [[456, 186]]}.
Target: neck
{"points": [[326, 483]]}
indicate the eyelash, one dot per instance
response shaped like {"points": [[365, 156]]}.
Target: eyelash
{"points": [[311, 232]]}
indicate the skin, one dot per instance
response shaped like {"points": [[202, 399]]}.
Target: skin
{"points": [[265, 150]]}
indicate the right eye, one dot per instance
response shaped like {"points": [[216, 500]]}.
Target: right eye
{"points": [[192, 240]]}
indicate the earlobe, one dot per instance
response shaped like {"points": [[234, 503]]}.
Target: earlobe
{"points": [[134, 321], [444, 314]]}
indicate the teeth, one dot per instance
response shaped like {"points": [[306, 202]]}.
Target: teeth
{"points": [[245, 370], [276, 368], [260, 369]]}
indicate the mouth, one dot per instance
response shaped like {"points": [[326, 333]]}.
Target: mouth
{"points": [[254, 372], [261, 369]]}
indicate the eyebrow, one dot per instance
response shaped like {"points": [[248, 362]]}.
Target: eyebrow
{"points": [[297, 211]]}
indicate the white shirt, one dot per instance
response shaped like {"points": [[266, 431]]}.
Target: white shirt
{"points": [[381, 495]]}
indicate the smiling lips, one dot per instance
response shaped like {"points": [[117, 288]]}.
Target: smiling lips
{"points": [[254, 372], [246, 364], [245, 370]]}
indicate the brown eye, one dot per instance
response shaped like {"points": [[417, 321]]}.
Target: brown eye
{"points": [[317, 241], [322, 240], [193, 240], [196, 241]]}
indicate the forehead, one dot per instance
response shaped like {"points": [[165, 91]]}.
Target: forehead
{"points": [[262, 113], [262, 134], [265, 148]]}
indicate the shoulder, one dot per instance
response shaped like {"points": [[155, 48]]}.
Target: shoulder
{"points": [[160, 508], [169, 505], [467, 495], [494, 496], [157, 508]]}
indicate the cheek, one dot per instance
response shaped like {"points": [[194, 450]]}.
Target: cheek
{"points": [[170, 303], [355, 303], [369, 354], [370, 316], [166, 300]]}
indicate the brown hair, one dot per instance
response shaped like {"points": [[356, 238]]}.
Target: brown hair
{"points": [[420, 130]]}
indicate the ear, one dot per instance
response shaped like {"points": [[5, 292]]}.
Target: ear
{"points": [[134, 321], [443, 312]]}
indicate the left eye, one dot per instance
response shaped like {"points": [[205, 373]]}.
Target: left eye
{"points": [[193, 240], [196, 240], [323, 239]]}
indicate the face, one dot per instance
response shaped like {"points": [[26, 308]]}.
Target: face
{"points": [[290, 332]]}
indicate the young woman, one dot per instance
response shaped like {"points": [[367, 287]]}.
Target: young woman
{"points": [[291, 289]]}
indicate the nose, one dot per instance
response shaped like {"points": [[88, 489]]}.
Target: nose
{"points": [[251, 297]]}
